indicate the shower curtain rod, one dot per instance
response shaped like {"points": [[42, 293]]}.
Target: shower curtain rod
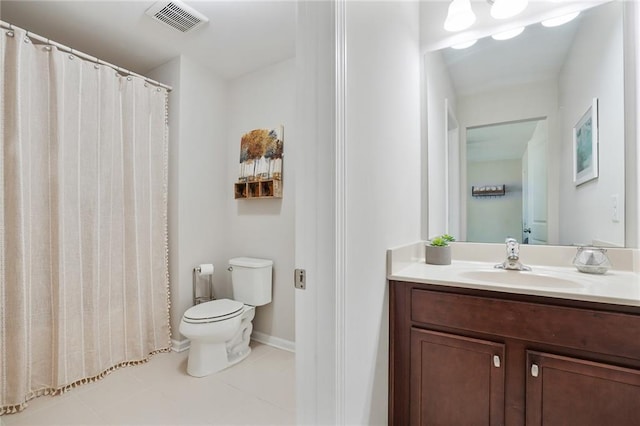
{"points": [[82, 55]]}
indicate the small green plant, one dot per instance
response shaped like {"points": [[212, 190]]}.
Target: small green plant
{"points": [[442, 240]]}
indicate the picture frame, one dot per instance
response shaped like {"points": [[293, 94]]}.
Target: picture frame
{"points": [[585, 146]]}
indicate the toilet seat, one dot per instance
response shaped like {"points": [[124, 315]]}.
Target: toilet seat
{"points": [[213, 311]]}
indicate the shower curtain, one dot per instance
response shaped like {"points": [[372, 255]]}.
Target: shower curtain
{"points": [[83, 220]]}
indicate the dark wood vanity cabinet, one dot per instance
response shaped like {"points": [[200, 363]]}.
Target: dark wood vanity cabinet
{"points": [[473, 357]]}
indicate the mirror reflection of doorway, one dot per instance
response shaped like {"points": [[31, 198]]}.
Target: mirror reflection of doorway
{"points": [[512, 154]]}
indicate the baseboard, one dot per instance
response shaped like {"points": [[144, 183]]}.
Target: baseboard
{"points": [[180, 345], [277, 342]]}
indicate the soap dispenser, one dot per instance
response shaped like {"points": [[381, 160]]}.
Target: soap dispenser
{"points": [[592, 260]]}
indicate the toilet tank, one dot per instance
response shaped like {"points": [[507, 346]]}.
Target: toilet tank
{"points": [[251, 280]]}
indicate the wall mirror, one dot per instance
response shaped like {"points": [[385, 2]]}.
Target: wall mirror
{"points": [[502, 114]]}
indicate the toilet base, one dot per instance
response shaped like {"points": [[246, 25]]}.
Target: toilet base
{"points": [[206, 357], [237, 357]]}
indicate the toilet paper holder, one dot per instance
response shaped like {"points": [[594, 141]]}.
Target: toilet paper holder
{"points": [[197, 271]]}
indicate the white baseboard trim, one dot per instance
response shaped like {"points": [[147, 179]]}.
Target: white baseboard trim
{"points": [[277, 342], [180, 345]]}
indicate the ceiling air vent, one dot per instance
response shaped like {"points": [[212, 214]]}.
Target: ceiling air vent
{"points": [[177, 15]]}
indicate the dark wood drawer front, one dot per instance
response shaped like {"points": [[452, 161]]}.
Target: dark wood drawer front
{"points": [[584, 329]]}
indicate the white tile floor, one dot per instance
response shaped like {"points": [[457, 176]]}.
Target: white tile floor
{"points": [[257, 391]]}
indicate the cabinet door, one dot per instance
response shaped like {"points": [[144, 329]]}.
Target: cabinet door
{"points": [[456, 380], [569, 391]]}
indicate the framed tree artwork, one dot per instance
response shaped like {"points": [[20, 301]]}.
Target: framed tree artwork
{"points": [[260, 173]]}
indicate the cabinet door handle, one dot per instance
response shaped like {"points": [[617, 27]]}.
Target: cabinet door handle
{"points": [[534, 370], [496, 361]]}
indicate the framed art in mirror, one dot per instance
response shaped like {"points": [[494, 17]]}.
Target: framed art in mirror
{"points": [[585, 146]]}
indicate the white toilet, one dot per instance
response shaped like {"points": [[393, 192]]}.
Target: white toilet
{"points": [[220, 330]]}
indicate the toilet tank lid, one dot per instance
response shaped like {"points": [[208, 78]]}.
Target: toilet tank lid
{"points": [[250, 262]]}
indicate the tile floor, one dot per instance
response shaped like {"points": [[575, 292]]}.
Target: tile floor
{"points": [[257, 391]]}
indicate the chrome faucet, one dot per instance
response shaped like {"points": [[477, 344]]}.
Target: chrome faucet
{"points": [[513, 257]]}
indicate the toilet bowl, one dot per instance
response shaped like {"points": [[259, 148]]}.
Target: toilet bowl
{"points": [[220, 330]]}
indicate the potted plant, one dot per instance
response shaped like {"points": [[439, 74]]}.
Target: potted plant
{"points": [[438, 251]]}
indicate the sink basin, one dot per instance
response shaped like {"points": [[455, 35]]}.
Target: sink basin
{"points": [[521, 278]]}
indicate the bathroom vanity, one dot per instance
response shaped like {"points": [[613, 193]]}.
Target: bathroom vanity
{"points": [[553, 347]]}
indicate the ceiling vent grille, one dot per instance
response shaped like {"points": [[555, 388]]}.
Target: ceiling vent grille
{"points": [[177, 15]]}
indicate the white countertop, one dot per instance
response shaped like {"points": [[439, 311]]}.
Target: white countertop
{"points": [[621, 287]]}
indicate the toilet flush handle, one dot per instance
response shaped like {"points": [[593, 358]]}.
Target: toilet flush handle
{"points": [[230, 268]]}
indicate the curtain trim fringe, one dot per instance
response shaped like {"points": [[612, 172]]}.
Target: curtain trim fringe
{"points": [[166, 211], [13, 409]]}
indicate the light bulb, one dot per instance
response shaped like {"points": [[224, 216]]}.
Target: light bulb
{"points": [[460, 16], [503, 9]]}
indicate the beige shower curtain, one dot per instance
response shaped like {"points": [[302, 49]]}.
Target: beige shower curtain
{"points": [[83, 226]]}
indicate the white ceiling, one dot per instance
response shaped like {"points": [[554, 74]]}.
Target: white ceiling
{"points": [[505, 141], [535, 55], [242, 36]]}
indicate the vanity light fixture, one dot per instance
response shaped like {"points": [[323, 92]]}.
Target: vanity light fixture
{"points": [[560, 20], [464, 45], [506, 35], [503, 9], [460, 16]]}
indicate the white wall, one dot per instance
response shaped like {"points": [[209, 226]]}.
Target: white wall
{"points": [[169, 73], [594, 69], [263, 228], [207, 117], [317, 388], [438, 88], [197, 121], [382, 187], [492, 219]]}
